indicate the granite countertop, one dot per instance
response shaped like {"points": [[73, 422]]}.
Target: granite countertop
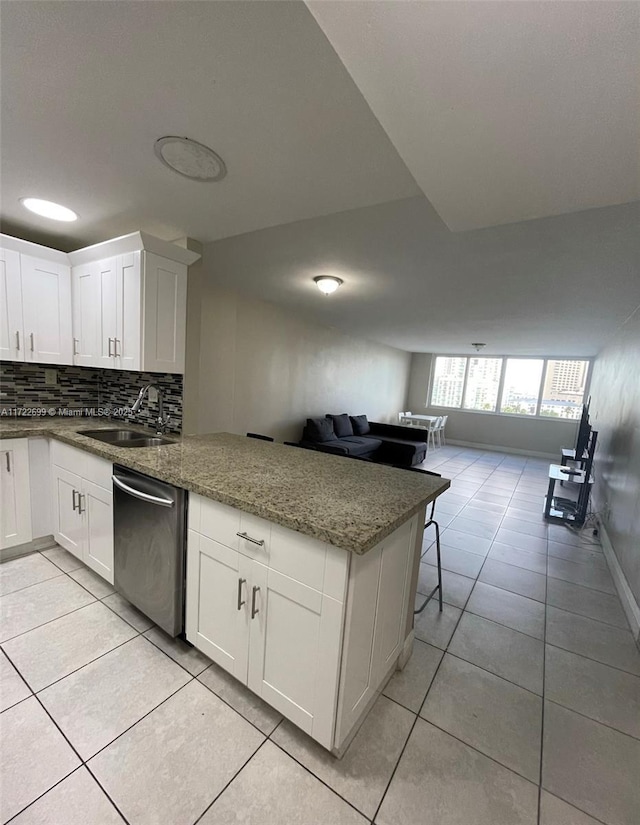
{"points": [[350, 504]]}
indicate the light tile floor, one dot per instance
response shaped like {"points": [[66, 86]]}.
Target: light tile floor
{"points": [[519, 706]]}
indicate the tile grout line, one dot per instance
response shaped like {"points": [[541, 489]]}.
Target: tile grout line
{"points": [[235, 775], [503, 678], [49, 621], [532, 692], [83, 763], [595, 721], [406, 742], [462, 612], [417, 716], [544, 685], [319, 778], [481, 752], [27, 586], [588, 658], [77, 669], [59, 782]]}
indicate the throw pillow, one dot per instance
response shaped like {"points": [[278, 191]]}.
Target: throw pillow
{"points": [[341, 425], [320, 429], [360, 424]]}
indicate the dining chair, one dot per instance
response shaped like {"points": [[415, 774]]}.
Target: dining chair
{"points": [[402, 416], [431, 432], [440, 431]]}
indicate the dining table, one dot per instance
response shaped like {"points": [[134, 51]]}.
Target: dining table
{"points": [[419, 420]]}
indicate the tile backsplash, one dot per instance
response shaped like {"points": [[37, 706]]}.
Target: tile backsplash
{"points": [[23, 386]]}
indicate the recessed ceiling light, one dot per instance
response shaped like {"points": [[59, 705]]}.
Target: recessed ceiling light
{"points": [[190, 159], [49, 209], [327, 283]]}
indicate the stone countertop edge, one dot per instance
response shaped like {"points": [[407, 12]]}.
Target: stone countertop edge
{"points": [[352, 533]]}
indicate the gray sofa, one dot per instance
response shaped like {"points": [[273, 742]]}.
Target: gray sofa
{"points": [[356, 437]]}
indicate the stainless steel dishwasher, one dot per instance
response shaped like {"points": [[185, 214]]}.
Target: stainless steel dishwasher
{"points": [[149, 528]]}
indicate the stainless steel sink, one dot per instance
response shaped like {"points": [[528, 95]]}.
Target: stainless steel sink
{"points": [[126, 438]]}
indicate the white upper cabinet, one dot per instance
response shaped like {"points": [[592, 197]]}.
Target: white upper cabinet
{"points": [[97, 311], [46, 309], [129, 309], [35, 304], [165, 314], [119, 304], [128, 296], [86, 303], [11, 332]]}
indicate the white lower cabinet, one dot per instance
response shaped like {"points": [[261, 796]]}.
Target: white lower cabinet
{"points": [[295, 647], [15, 508], [82, 508], [216, 615], [248, 610], [68, 522], [98, 547]]}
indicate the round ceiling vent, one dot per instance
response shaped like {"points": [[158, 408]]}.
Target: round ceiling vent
{"points": [[190, 159]]}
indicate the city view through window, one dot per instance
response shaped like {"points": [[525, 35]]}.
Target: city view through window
{"points": [[552, 388]]}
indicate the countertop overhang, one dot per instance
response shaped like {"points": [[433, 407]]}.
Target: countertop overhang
{"points": [[350, 504]]}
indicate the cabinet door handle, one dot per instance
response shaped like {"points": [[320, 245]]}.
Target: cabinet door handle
{"points": [[31, 339], [248, 538], [116, 341], [18, 339], [74, 493], [110, 353], [241, 601], [254, 609], [76, 341], [81, 498], [8, 458]]}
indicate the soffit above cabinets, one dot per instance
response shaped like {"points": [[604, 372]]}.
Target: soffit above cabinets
{"points": [[134, 242]]}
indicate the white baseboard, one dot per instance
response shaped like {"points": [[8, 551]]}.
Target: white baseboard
{"points": [[41, 543], [629, 604], [494, 448]]}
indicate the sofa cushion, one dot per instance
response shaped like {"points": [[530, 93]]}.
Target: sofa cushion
{"points": [[341, 425], [399, 451], [360, 424], [319, 429], [359, 444]]}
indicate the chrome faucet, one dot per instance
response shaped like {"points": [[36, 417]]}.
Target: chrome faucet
{"points": [[162, 420]]}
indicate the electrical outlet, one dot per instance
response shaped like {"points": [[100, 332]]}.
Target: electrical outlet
{"points": [[51, 377], [153, 395]]}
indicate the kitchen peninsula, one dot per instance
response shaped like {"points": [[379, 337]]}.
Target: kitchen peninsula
{"points": [[301, 566]]}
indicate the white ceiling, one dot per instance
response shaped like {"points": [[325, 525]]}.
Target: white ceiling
{"points": [[87, 87], [555, 286], [503, 111]]}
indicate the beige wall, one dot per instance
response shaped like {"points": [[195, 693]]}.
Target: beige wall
{"points": [[264, 369], [615, 414], [537, 436]]}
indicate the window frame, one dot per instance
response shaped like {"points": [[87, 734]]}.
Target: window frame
{"points": [[504, 358]]}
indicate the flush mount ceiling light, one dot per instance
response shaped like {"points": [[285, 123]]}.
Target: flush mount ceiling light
{"points": [[190, 159], [478, 346], [327, 283], [49, 209]]}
